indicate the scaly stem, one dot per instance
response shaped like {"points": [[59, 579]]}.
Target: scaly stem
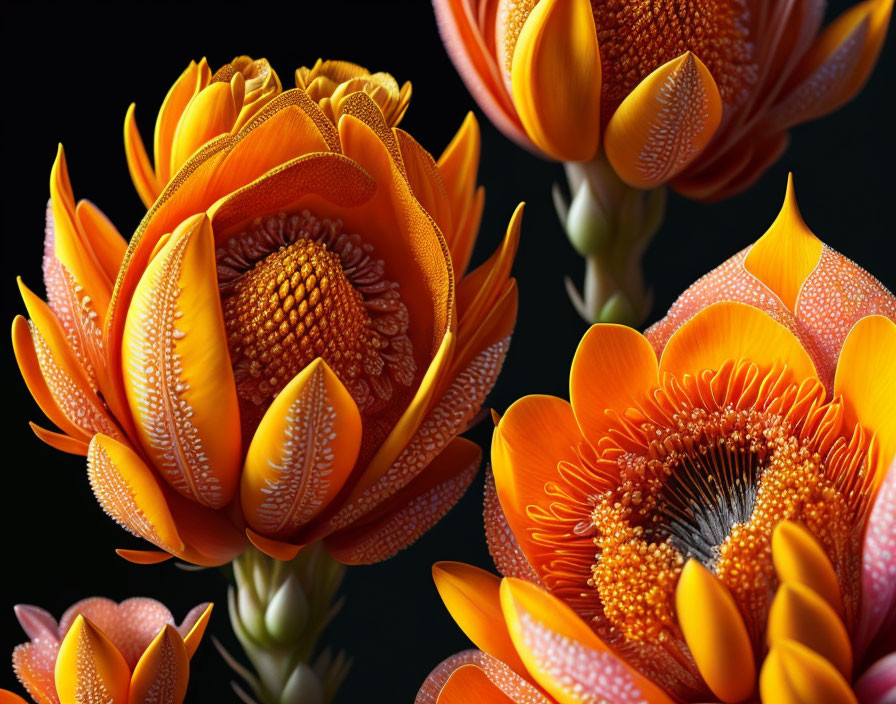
{"points": [[278, 611], [610, 224]]}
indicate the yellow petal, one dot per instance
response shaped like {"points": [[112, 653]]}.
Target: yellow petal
{"points": [[177, 371], [793, 674], [142, 174], [799, 614], [472, 597], [194, 637], [866, 382], [786, 254], [734, 331], [800, 559], [303, 451], [715, 633], [664, 123], [162, 673], [563, 654], [210, 113], [129, 492], [89, 668], [556, 79]]}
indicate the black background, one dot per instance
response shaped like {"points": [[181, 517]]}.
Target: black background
{"points": [[69, 77]]}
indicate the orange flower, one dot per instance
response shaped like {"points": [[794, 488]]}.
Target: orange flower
{"points": [[103, 651], [699, 95], [287, 348], [711, 517]]}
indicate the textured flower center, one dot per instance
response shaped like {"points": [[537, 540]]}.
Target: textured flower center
{"points": [[294, 288], [636, 38]]}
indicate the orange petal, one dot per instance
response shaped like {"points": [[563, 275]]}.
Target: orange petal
{"points": [[426, 182], [65, 443], [866, 382], [104, 239], [468, 50], [786, 254], [664, 123], [210, 536], [564, 655], [143, 557], [129, 492], [139, 166], [302, 452], [177, 370], [277, 549], [63, 375], [162, 673], [458, 165], [7, 697], [535, 434], [715, 633], [734, 331], [90, 668], [836, 66], [193, 79], [613, 369], [794, 674], [799, 614], [34, 663], [472, 597], [71, 247], [800, 559], [404, 517], [561, 115]]}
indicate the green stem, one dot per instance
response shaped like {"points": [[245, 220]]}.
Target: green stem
{"points": [[610, 224], [278, 611]]}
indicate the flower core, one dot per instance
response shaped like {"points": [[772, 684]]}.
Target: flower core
{"points": [[637, 37], [296, 287]]}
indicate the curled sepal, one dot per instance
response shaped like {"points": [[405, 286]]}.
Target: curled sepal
{"points": [[162, 673], [177, 372], [564, 655], [89, 667], [664, 123], [556, 79], [302, 452], [129, 492]]}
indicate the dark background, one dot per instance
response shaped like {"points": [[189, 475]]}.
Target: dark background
{"points": [[71, 81]]}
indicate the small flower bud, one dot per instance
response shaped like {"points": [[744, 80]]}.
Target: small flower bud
{"points": [[587, 225], [302, 687], [287, 613]]}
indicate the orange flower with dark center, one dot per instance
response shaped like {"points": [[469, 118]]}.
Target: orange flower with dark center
{"points": [[287, 348], [695, 93], [710, 517]]}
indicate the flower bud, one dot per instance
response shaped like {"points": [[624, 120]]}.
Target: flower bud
{"points": [[587, 225], [287, 613], [251, 613], [302, 687]]}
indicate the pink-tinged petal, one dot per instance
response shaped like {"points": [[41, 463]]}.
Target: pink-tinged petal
{"points": [[34, 664], [878, 564], [835, 296], [878, 684], [505, 679], [407, 515], [36, 622], [450, 416], [467, 48], [131, 625], [193, 617], [502, 544]]}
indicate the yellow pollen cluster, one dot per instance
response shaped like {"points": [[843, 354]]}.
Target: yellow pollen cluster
{"points": [[637, 37], [291, 307]]}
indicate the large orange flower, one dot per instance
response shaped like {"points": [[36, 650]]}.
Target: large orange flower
{"points": [[711, 517], [696, 94], [101, 651], [288, 347]]}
